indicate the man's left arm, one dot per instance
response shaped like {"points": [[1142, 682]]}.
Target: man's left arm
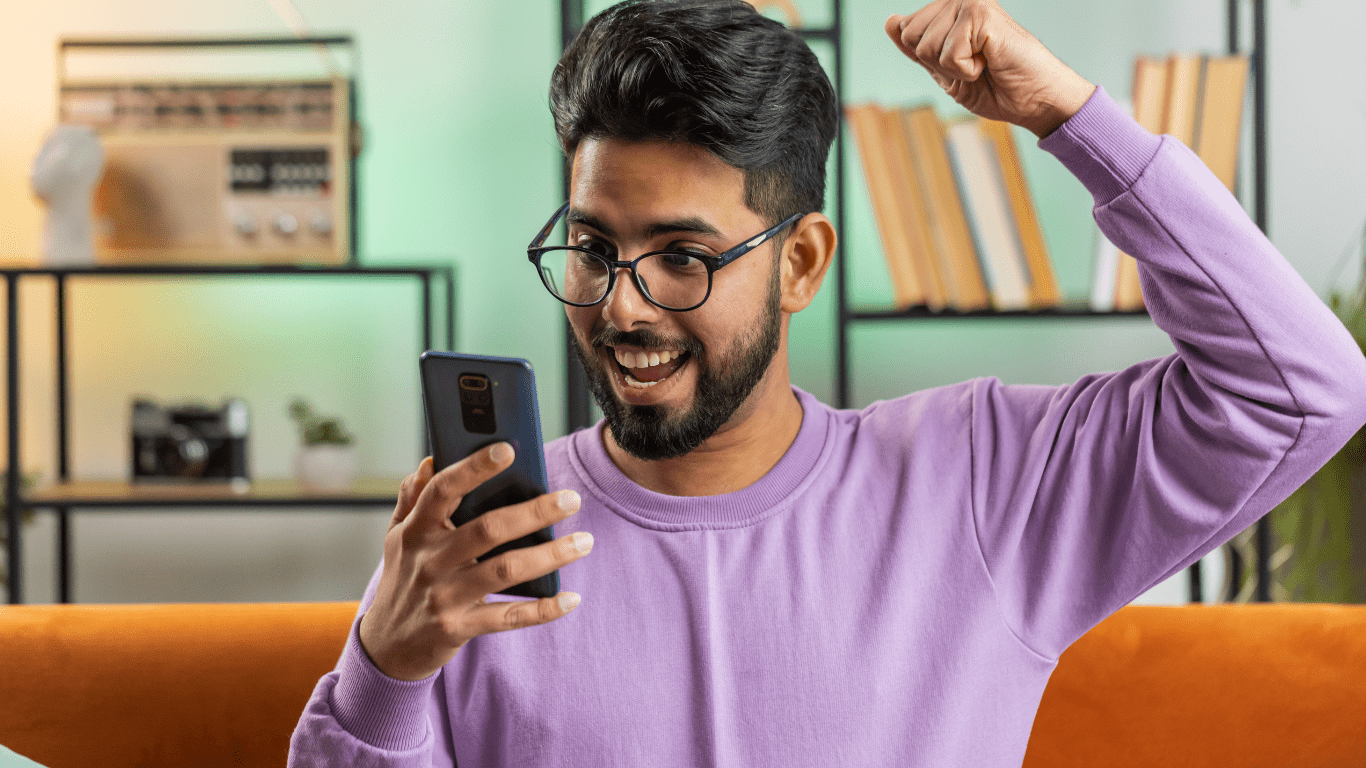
{"points": [[1086, 495]]}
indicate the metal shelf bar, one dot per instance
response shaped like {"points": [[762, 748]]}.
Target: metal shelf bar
{"points": [[1050, 313], [203, 42]]}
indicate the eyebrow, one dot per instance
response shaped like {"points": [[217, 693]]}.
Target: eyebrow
{"points": [[693, 225]]}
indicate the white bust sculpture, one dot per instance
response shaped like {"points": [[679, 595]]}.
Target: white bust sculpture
{"points": [[64, 177]]}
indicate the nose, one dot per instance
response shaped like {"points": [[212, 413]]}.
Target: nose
{"points": [[625, 306]]}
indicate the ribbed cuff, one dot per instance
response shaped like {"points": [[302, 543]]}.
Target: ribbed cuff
{"points": [[375, 708], [1103, 147]]}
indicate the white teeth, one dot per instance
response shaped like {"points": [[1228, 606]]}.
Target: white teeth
{"points": [[645, 359], [632, 381]]}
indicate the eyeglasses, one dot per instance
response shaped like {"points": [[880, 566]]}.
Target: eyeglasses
{"points": [[678, 281]]}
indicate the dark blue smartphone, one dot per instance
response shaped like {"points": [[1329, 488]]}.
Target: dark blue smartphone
{"points": [[472, 402]]}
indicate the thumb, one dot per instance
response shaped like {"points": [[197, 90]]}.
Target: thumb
{"points": [[410, 489]]}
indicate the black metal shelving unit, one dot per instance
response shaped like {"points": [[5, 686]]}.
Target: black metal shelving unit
{"points": [[66, 497]]}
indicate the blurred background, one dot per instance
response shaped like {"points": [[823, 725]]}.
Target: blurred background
{"points": [[460, 167]]}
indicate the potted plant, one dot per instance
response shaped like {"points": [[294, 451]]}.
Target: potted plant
{"points": [[1324, 521], [326, 460]]}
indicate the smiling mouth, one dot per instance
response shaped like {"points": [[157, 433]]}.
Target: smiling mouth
{"points": [[642, 369]]}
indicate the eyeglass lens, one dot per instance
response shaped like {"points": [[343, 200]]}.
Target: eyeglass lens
{"points": [[672, 280]]}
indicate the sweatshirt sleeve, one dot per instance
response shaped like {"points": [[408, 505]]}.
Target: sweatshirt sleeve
{"points": [[1086, 495], [360, 717]]}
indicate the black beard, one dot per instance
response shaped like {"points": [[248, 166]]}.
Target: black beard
{"points": [[650, 432]]}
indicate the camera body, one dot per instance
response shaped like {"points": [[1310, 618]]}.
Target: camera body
{"points": [[189, 442]]}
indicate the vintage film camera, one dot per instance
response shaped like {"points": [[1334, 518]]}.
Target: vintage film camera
{"points": [[189, 442], [215, 169]]}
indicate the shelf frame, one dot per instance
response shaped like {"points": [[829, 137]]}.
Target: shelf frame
{"points": [[16, 503]]}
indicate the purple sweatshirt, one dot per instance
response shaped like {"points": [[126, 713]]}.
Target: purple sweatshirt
{"points": [[897, 590]]}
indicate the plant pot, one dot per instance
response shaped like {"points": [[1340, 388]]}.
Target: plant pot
{"points": [[325, 467]]}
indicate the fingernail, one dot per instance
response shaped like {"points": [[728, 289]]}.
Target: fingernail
{"points": [[501, 452], [568, 600], [583, 542], [568, 501]]}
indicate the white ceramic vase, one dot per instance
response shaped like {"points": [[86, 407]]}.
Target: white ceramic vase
{"points": [[326, 467]]}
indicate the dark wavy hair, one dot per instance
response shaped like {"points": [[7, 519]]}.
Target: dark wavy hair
{"points": [[712, 73]]}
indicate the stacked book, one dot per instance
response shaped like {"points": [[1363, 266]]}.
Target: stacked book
{"points": [[953, 209], [1199, 100]]}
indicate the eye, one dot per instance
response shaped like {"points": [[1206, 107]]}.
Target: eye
{"points": [[600, 247], [683, 260]]}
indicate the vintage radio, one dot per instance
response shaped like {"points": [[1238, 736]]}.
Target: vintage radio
{"points": [[220, 170]]}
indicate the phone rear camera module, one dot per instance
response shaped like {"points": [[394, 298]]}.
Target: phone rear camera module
{"points": [[476, 404]]}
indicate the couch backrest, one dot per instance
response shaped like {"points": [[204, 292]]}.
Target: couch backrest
{"points": [[223, 685], [1221, 685], [162, 685]]}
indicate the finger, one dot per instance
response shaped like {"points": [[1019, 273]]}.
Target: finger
{"points": [[500, 617], [959, 56], [912, 27], [931, 45], [409, 490], [526, 563], [499, 526], [443, 492]]}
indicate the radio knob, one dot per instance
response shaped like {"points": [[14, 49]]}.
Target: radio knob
{"points": [[321, 223], [286, 224], [244, 224]]}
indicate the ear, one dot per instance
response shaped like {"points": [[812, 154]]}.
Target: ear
{"points": [[806, 256]]}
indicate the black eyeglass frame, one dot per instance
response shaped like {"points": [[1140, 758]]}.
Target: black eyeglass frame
{"points": [[712, 263]]}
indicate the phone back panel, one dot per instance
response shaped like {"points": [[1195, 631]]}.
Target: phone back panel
{"points": [[499, 404]]}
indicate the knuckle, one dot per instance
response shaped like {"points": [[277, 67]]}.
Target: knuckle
{"points": [[505, 569], [409, 537], [486, 529], [440, 490], [517, 617], [450, 623], [548, 509]]}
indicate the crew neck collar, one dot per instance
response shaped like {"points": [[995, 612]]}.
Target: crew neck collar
{"points": [[747, 506]]}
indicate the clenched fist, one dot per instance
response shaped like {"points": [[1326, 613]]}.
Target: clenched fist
{"points": [[990, 64]]}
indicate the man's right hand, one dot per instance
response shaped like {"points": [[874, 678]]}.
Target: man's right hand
{"points": [[430, 599]]}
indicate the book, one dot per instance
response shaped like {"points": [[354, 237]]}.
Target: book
{"points": [[1043, 287], [1222, 94], [1103, 278], [963, 281], [915, 217], [1180, 103], [1150, 102], [867, 125], [988, 216]]}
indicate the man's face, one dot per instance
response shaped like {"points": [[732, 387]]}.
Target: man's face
{"points": [[666, 381]]}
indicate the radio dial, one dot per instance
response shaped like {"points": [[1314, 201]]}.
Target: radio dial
{"points": [[286, 224], [244, 224], [321, 223]]}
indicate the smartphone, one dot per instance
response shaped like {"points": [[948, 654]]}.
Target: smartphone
{"points": [[472, 402]]}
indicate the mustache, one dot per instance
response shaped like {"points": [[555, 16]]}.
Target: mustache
{"points": [[609, 336]]}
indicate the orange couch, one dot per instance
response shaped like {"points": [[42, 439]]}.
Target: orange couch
{"points": [[222, 685]]}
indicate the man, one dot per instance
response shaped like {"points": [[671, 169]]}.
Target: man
{"points": [[777, 582]]}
